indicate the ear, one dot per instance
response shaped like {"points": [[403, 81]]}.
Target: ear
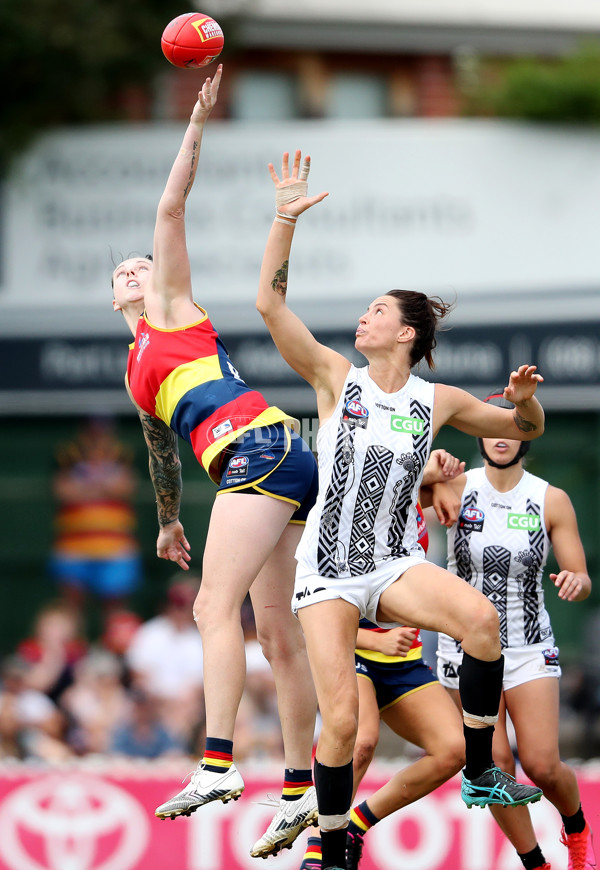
{"points": [[116, 306], [406, 334]]}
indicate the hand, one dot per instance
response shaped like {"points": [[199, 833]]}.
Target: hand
{"points": [[446, 504], [396, 641], [207, 98], [522, 384], [172, 545], [569, 585], [291, 190], [441, 466]]}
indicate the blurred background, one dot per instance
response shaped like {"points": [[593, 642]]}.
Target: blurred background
{"points": [[460, 144]]}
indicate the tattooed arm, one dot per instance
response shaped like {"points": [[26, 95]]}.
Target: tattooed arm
{"points": [[323, 368], [168, 298], [165, 473], [524, 422]]}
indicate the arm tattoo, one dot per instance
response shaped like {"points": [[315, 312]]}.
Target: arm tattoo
{"points": [[279, 282], [165, 467], [523, 424], [188, 186]]}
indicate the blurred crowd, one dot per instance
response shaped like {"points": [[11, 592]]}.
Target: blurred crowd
{"points": [[136, 690]]}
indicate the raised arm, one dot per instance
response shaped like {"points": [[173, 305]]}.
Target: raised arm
{"points": [[323, 368], [524, 422], [171, 289]]}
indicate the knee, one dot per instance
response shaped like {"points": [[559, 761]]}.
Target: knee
{"points": [[543, 771], [452, 758], [280, 642], [340, 722], [364, 749]]}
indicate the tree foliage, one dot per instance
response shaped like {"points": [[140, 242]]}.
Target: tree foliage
{"points": [[67, 61], [566, 90]]}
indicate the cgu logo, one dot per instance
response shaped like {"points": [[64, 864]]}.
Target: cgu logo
{"points": [[527, 522], [412, 425], [356, 409], [473, 514]]}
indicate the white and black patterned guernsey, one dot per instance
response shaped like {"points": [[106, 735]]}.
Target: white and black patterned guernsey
{"points": [[372, 452], [500, 545]]}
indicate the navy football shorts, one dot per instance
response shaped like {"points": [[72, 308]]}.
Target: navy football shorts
{"points": [[393, 681], [275, 461]]}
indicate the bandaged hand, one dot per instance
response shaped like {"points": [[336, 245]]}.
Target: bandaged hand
{"points": [[291, 190]]}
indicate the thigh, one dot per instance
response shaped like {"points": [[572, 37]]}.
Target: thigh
{"points": [[244, 531], [537, 735], [330, 629], [432, 598], [427, 718]]}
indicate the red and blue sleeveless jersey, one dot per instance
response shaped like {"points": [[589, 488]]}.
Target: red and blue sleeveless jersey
{"points": [[185, 378], [416, 650]]}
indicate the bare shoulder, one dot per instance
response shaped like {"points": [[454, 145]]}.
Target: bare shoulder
{"points": [[558, 508]]}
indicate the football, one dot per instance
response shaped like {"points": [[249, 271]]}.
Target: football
{"points": [[192, 40]]}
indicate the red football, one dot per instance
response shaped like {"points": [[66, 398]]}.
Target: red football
{"points": [[192, 40]]}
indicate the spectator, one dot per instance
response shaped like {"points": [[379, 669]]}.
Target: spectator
{"points": [[31, 725], [95, 549], [96, 702], [165, 659], [53, 649], [144, 735]]}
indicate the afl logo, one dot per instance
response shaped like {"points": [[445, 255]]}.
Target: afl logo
{"points": [[238, 462], [356, 414], [471, 519], [473, 514]]}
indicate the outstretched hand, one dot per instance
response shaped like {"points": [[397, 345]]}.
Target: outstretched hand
{"points": [[172, 544], [207, 97], [522, 384], [291, 190]]}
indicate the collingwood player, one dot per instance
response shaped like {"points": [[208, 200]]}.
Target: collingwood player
{"points": [[507, 522], [359, 555]]}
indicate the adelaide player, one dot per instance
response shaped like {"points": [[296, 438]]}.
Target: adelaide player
{"points": [[183, 384]]}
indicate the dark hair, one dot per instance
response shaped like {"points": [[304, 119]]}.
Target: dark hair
{"points": [[423, 313], [145, 257]]}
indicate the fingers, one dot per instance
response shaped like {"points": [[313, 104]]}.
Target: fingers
{"points": [[273, 174], [305, 167], [285, 166]]}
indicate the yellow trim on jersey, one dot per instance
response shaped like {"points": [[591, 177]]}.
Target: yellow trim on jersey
{"points": [[178, 328], [268, 417], [406, 694], [374, 656], [183, 379]]}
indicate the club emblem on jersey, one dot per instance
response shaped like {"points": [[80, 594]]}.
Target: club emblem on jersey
{"points": [[143, 342], [471, 519], [355, 414]]}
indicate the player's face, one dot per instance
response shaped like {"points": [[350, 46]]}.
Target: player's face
{"points": [[130, 279], [379, 325], [501, 450]]}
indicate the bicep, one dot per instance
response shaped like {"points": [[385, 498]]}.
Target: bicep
{"points": [[563, 531], [457, 408]]}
